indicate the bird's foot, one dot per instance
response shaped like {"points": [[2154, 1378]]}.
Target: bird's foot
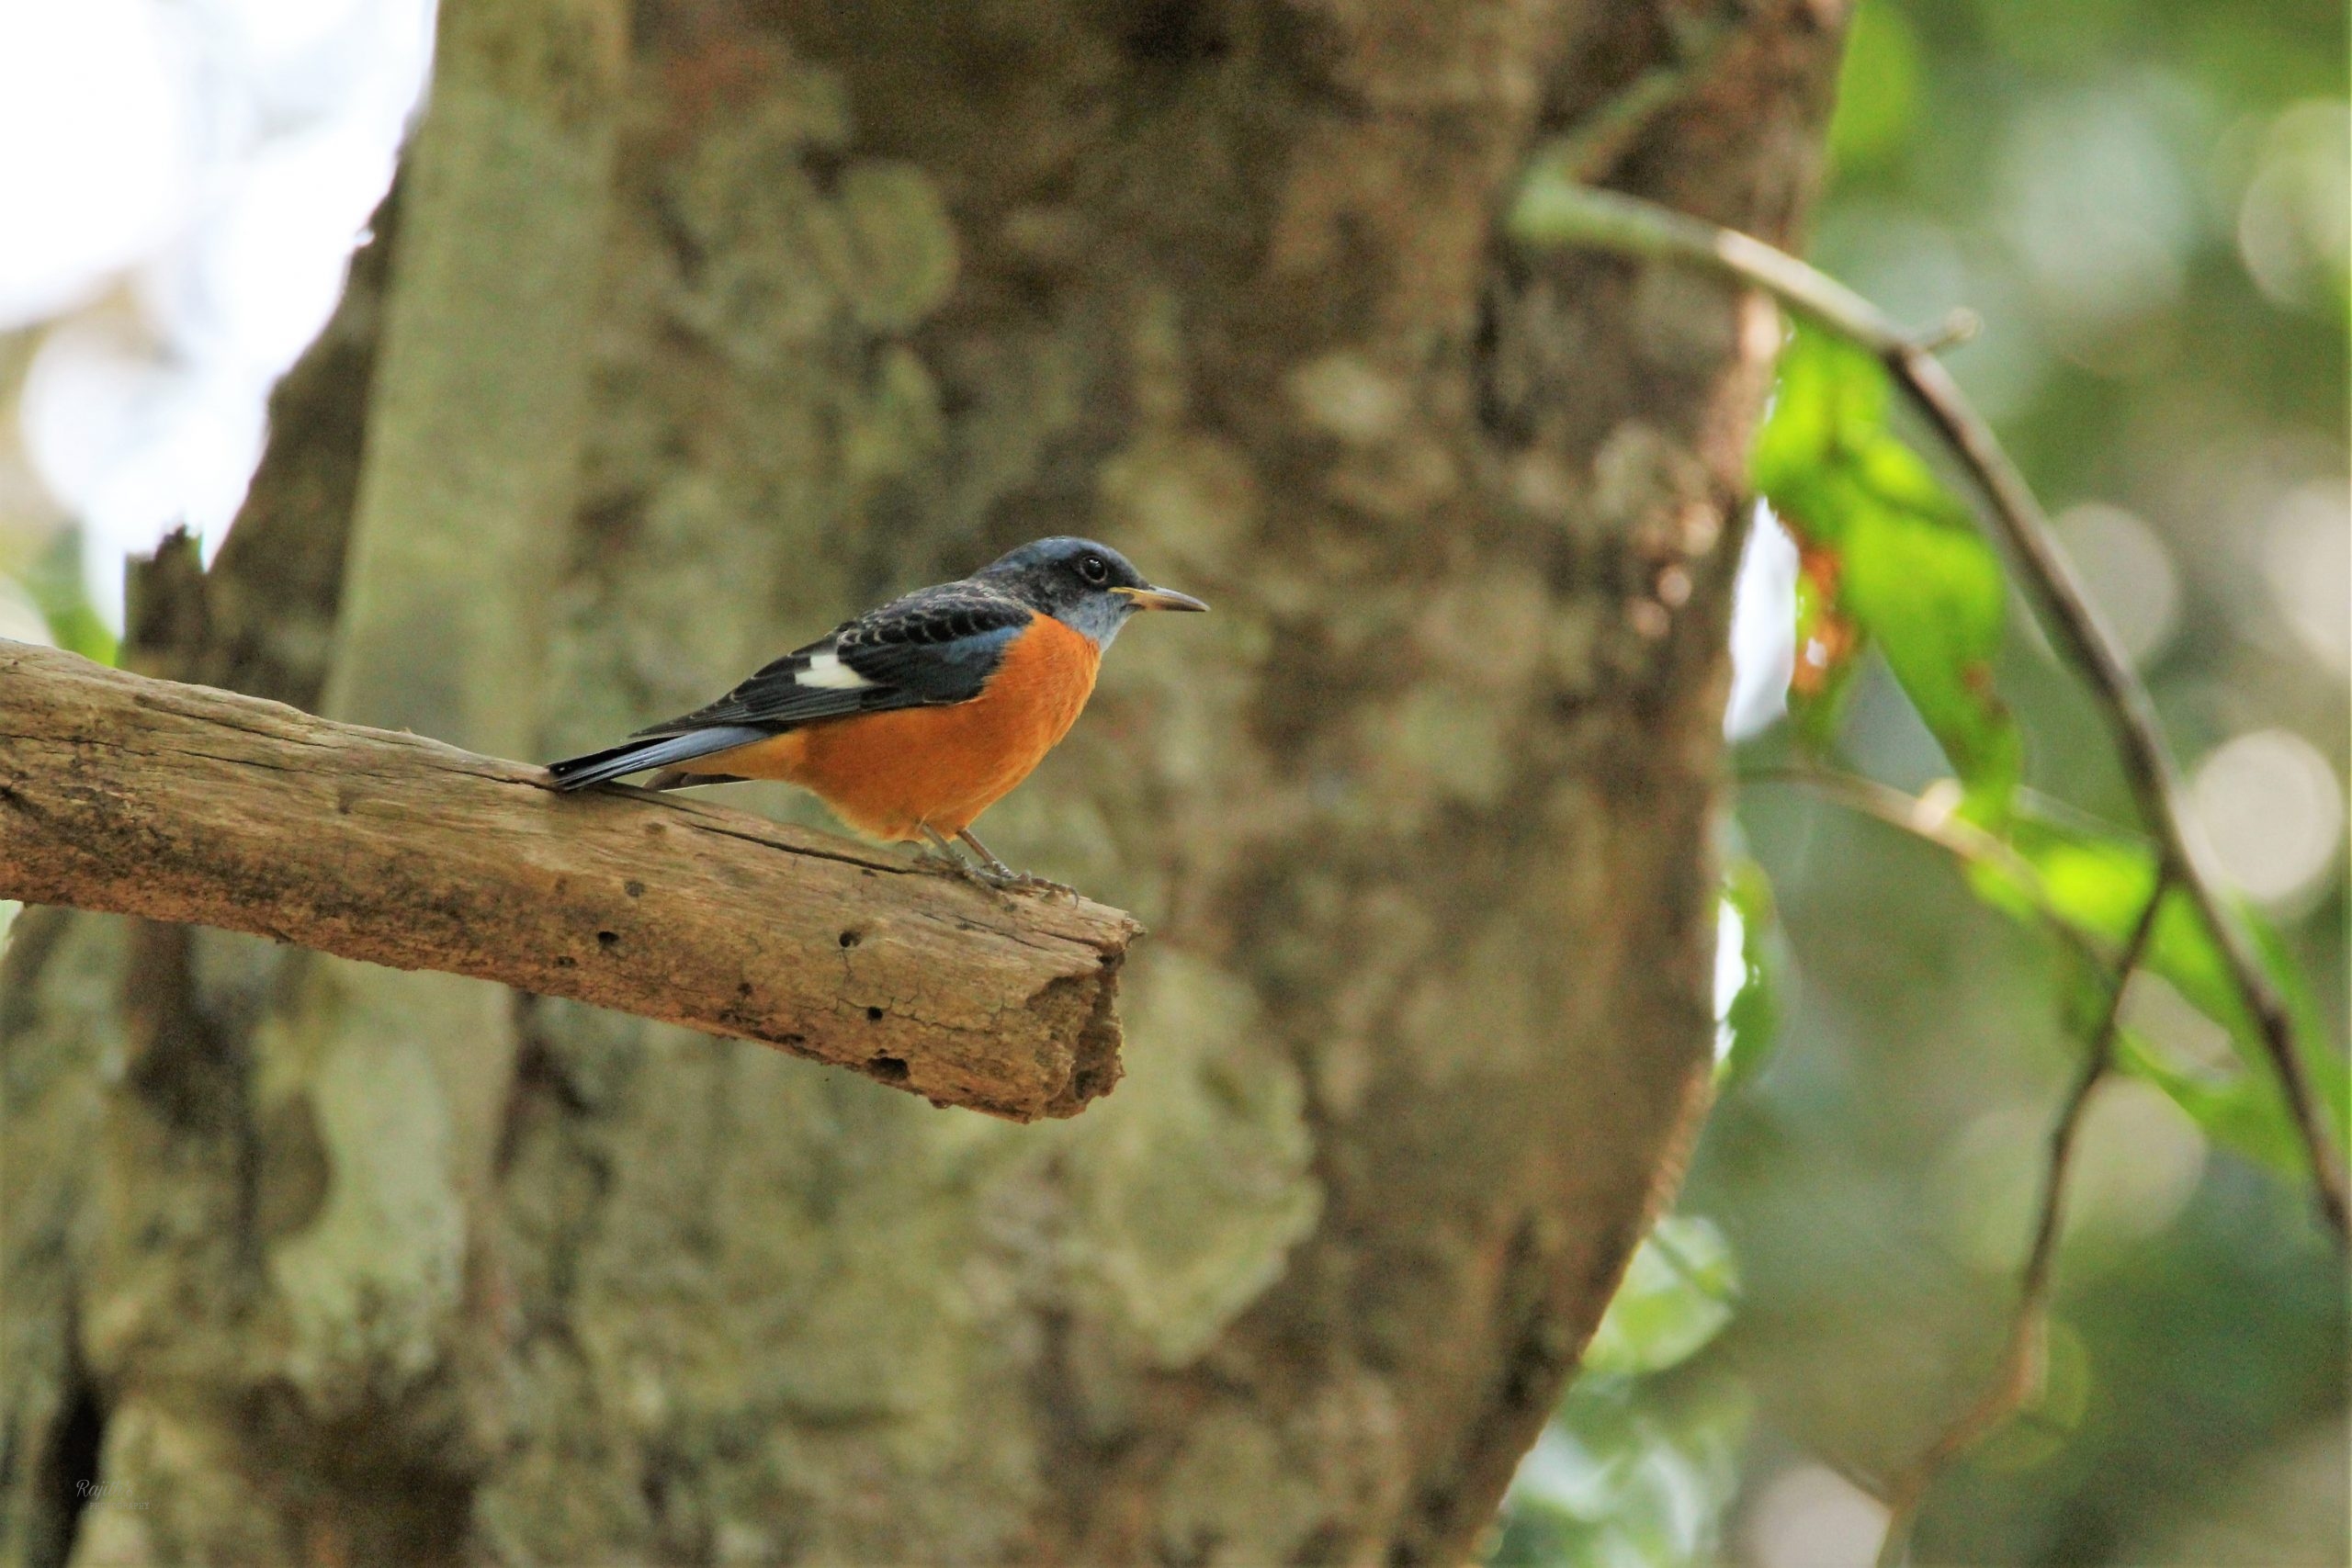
{"points": [[995, 873], [985, 869]]}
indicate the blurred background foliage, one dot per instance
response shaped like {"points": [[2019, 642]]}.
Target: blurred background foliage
{"points": [[2146, 202]]}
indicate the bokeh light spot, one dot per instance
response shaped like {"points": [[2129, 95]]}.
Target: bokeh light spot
{"points": [[2293, 220], [2130, 573], [1813, 1517], [1763, 630], [103, 88], [2273, 809], [2307, 565], [2137, 1165], [1731, 970]]}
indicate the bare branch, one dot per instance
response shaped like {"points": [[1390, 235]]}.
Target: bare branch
{"points": [[2017, 1372], [182, 802], [1945, 829], [1554, 212]]}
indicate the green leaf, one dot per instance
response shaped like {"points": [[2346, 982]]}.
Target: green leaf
{"points": [[1636, 1469], [2052, 1412], [2185, 952], [2098, 884], [1898, 555], [1751, 1019], [1878, 89], [2237, 1110], [1830, 649], [1934, 600], [1629, 1474], [1677, 1295]]}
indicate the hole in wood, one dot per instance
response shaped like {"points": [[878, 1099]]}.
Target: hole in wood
{"points": [[890, 1069]]}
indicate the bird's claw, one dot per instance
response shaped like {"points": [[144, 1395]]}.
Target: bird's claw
{"points": [[983, 868], [1005, 879], [994, 875]]}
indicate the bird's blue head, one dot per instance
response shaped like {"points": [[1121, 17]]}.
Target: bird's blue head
{"points": [[1088, 587]]}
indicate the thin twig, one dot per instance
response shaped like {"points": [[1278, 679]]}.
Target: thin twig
{"points": [[1946, 830], [1557, 213], [2132, 717], [1958, 327], [1603, 135], [2016, 1373]]}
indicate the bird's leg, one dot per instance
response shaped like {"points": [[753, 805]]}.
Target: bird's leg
{"points": [[1005, 874], [991, 874], [997, 868], [945, 853]]}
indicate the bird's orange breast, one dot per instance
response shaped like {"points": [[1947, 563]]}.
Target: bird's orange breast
{"points": [[890, 773]]}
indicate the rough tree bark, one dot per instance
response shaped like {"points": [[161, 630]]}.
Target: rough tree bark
{"points": [[1418, 818]]}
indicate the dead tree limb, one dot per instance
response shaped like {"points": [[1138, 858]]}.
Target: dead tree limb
{"points": [[182, 802]]}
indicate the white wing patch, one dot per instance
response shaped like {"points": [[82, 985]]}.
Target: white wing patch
{"points": [[826, 669]]}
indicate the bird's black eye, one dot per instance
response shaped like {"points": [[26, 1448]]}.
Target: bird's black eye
{"points": [[1094, 568]]}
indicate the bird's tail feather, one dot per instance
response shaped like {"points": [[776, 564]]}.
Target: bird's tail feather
{"points": [[660, 752]]}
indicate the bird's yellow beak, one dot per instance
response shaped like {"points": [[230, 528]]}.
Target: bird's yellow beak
{"points": [[1160, 599]]}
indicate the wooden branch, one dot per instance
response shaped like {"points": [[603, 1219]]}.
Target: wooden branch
{"points": [[1555, 213], [181, 803]]}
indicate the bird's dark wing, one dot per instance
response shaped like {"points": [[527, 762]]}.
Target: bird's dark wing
{"points": [[939, 645]]}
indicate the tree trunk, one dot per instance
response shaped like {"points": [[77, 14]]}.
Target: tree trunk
{"points": [[307, 1263]]}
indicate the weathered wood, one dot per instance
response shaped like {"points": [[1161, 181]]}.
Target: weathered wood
{"points": [[182, 802]]}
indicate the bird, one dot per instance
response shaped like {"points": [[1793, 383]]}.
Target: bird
{"points": [[910, 720]]}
